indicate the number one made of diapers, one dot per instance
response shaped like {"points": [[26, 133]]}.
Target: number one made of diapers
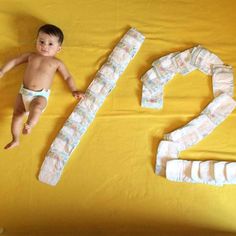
{"points": [[84, 113]]}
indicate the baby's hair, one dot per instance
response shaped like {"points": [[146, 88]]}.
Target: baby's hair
{"points": [[52, 30]]}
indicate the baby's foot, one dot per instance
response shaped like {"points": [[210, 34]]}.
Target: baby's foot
{"points": [[27, 129], [12, 144]]}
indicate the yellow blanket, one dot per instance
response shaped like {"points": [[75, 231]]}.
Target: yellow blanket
{"points": [[109, 186]]}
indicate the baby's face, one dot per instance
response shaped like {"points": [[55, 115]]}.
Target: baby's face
{"points": [[47, 45]]}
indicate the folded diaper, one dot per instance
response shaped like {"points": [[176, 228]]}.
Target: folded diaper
{"points": [[165, 67], [220, 172], [51, 169], [101, 86], [230, 170], [133, 39], [206, 172], [184, 137], [111, 71], [78, 122], [223, 80], [179, 171], [91, 103], [152, 77], [202, 124], [152, 94], [167, 150], [204, 59], [220, 108], [210, 172], [195, 172], [182, 62], [152, 99], [120, 56]]}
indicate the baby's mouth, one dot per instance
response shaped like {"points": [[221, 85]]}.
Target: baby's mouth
{"points": [[44, 51]]}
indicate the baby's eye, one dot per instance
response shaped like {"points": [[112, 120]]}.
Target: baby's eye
{"points": [[50, 44], [41, 42]]}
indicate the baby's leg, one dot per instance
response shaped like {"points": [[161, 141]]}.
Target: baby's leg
{"points": [[18, 114], [36, 107]]}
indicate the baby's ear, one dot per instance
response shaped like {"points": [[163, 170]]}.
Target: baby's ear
{"points": [[59, 49]]}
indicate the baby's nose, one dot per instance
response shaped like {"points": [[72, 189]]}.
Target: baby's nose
{"points": [[44, 46]]}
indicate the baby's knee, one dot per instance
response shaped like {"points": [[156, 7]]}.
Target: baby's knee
{"points": [[39, 107], [38, 104], [18, 112]]}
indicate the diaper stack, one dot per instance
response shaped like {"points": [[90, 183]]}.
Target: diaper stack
{"points": [[206, 172], [85, 111], [165, 68], [193, 132], [154, 80]]}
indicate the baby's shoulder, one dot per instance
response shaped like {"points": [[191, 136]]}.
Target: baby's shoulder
{"points": [[25, 56], [58, 61], [32, 55]]}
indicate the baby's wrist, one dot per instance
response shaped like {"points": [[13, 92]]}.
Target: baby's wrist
{"points": [[77, 94]]}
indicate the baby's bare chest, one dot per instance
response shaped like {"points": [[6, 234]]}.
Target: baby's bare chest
{"points": [[45, 65]]}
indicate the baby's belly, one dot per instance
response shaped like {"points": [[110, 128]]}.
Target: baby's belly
{"points": [[37, 84]]}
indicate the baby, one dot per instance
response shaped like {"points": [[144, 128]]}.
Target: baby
{"points": [[35, 89]]}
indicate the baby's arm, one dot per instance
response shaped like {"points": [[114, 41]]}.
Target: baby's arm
{"points": [[69, 80], [14, 62]]}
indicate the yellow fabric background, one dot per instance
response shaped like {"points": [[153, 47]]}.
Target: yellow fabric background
{"points": [[108, 186]]}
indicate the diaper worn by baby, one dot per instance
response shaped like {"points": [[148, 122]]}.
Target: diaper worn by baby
{"points": [[28, 95]]}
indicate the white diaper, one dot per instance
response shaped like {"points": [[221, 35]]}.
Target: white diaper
{"points": [[223, 80], [28, 95]]}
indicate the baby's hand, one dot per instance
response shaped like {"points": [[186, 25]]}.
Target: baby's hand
{"points": [[77, 94]]}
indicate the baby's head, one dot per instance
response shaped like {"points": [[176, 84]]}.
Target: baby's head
{"points": [[49, 40]]}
